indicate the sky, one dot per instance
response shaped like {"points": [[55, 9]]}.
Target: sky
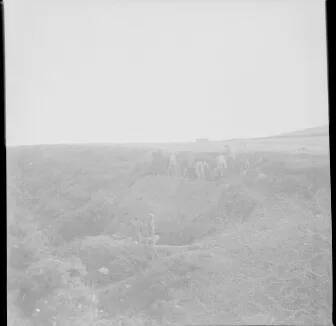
{"points": [[80, 71]]}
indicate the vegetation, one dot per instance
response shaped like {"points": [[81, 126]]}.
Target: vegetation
{"points": [[247, 249]]}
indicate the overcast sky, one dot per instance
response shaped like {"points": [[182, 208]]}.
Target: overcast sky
{"points": [[125, 71]]}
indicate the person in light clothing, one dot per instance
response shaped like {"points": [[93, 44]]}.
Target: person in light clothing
{"points": [[221, 164]]}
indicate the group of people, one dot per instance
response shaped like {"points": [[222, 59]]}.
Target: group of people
{"points": [[196, 165]]}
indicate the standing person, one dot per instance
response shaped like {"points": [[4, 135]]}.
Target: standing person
{"points": [[201, 168], [198, 168], [221, 164], [172, 167], [137, 225], [189, 168], [211, 166], [206, 169], [184, 167], [151, 225], [152, 237], [229, 154]]}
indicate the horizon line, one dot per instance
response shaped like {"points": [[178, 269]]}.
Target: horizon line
{"points": [[195, 141]]}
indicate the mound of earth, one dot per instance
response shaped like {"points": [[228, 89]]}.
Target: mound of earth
{"points": [[275, 269], [185, 210]]}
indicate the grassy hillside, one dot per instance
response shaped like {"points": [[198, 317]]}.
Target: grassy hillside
{"points": [[242, 249]]}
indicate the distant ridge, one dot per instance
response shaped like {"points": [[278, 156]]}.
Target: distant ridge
{"points": [[308, 132]]}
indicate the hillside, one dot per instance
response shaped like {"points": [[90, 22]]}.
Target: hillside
{"points": [[247, 248], [309, 132], [313, 140]]}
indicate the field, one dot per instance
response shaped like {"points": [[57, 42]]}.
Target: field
{"points": [[242, 249]]}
